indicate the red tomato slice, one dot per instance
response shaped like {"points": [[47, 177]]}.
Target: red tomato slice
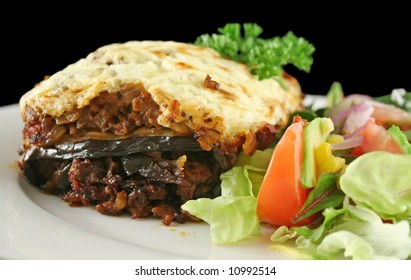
{"points": [[376, 138], [281, 194]]}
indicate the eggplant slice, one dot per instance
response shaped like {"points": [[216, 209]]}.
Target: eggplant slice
{"points": [[40, 163], [154, 174], [112, 148]]}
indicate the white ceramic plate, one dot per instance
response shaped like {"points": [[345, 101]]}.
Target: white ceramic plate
{"points": [[34, 225]]}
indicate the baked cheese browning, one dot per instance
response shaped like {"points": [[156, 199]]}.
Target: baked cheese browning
{"points": [[163, 86]]}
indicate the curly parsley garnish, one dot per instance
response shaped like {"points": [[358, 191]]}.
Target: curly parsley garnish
{"points": [[264, 57]]}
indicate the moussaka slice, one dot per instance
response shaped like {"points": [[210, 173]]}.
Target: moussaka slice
{"points": [[142, 127]]}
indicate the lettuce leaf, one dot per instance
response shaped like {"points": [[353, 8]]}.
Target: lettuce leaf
{"points": [[233, 215], [237, 175], [352, 232], [316, 234], [361, 234], [400, 138], [231, 218], [283, 234], [380, 181]]}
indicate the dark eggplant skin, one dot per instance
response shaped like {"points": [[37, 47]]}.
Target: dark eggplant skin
{"points": [[38, 164], [48, 173], [113, 148]]}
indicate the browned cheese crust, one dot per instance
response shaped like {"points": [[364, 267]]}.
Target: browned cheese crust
{"points": [[165, 87]]}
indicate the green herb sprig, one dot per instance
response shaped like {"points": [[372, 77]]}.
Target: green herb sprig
{"points": [[264, 57]]}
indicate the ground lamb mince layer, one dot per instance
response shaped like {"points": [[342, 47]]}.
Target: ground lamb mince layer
{"points": [[117, 115], [142, 185]]}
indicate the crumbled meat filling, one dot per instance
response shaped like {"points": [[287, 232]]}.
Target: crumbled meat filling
{"points": [[154, 190], [119, 114]]}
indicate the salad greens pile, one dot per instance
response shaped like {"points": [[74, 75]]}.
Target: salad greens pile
{"points": [[360, 211], [345, 167]]}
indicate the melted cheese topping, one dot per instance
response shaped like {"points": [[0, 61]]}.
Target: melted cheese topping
{"points": [[173, 73]]}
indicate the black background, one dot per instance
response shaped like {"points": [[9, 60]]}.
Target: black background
{"points": [[365, 49]]}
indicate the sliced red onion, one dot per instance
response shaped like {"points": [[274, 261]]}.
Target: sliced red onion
{"points": [[337, 114], [361, 106], [340, 116], [354, 133], [348, 143], [358, 116]]}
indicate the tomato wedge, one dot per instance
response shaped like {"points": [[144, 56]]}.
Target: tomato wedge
{"points": [[281, 194], [376, 138]]}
